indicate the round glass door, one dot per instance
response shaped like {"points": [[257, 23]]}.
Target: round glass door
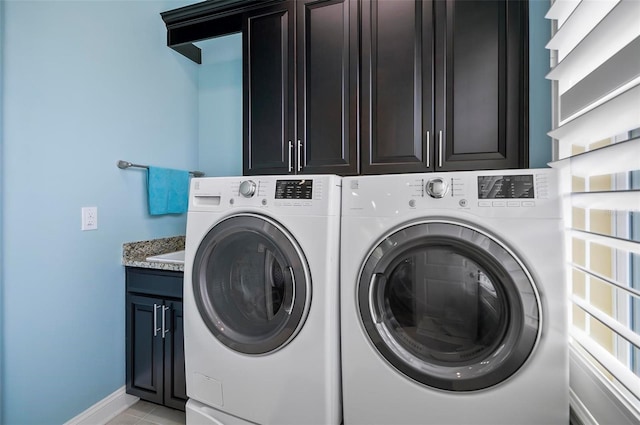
{"points": [[449, 306], [251, 284]]}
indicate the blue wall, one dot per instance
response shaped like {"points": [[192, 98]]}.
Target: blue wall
{"points": [[85, 83], [1, 209], [539, 87], [220, 106]]}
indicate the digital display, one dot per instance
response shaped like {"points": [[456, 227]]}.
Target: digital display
{"points": [[505, 187], [294, 189]]}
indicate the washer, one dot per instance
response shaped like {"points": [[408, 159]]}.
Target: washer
{"points": [[261, 300], [453, 299]]}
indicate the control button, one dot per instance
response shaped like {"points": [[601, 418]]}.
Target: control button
{"points": [[499, 204], [484, 203], [231, 201], [528, 204], [462, 202], [437, 187], [513, 204], [247, 188], [264, 201], [412, 203]]}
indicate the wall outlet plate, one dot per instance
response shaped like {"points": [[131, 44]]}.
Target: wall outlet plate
{"points": [[89, 218]]}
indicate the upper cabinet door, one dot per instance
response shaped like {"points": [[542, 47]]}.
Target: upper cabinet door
{"points": [[481, 84], [269, 93], [444, 85], [327, 77], [397, 86]]}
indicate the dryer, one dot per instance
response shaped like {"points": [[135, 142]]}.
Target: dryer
{"points": [[453, 299], [261, 300]]}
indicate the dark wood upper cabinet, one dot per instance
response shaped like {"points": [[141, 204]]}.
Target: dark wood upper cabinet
{"points": [[482, 84], [327, 78], [397, 86], [300, 75], [269, 91], [443, 85], [374, 86]]}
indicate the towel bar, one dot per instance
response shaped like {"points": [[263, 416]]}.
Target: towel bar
{"points": [[126, 164]]}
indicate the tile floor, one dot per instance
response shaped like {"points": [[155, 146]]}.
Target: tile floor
{"points": [[145, 413]]}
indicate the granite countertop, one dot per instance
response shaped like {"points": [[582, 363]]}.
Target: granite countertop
{"points": [[134, 254]]}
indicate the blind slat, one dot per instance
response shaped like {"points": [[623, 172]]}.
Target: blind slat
{"points": [[620, 70], [581, 22], [622, 200], [615, 158], [607, 320], [608, 241], [620, 114], [630, 291], [561, 10]]}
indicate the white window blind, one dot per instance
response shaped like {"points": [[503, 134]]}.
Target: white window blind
{"points": [[596, 45]]}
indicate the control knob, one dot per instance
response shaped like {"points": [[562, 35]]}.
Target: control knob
{"points": [[247, 188], [437, 187]]}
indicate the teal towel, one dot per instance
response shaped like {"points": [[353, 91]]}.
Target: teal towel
{"points": [[168, 191]]}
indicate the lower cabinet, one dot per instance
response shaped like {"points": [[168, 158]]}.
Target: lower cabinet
{"points": [[154, 337]]}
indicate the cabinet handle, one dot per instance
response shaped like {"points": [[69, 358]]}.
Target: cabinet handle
{"points": [[290, 156], [155, 319], [440, 149], [165, 329], [299, 155], [428, 149], [293, 291]]}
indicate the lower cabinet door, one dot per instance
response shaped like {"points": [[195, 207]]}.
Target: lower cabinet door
{"points": [[175, 386], [145, 363]]}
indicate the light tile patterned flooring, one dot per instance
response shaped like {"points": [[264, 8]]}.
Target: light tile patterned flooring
{"points": [[145, 413]]}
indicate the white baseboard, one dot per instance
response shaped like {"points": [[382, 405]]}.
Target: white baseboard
{"points": [[106, 409]]}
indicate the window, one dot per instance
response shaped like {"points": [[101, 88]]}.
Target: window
{"points": [[596, 45]]}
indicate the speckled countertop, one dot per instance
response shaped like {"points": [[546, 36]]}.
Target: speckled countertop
{"points": [[134, 254]]}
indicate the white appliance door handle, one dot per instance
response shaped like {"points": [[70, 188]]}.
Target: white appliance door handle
{"points": [[290, 156], [373, 289], [293, 291], [299, 155]]}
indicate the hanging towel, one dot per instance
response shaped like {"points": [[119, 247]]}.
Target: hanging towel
{"points": [[168, 191]]}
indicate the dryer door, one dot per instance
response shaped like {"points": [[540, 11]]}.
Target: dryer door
{"points": [[251, 284], [449, 306]]}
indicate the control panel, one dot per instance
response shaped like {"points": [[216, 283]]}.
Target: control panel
{"points": [[483, 192], [295, 196]]}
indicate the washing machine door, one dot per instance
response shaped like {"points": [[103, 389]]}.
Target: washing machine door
{"points": [[449, 306], [251, 284]]}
